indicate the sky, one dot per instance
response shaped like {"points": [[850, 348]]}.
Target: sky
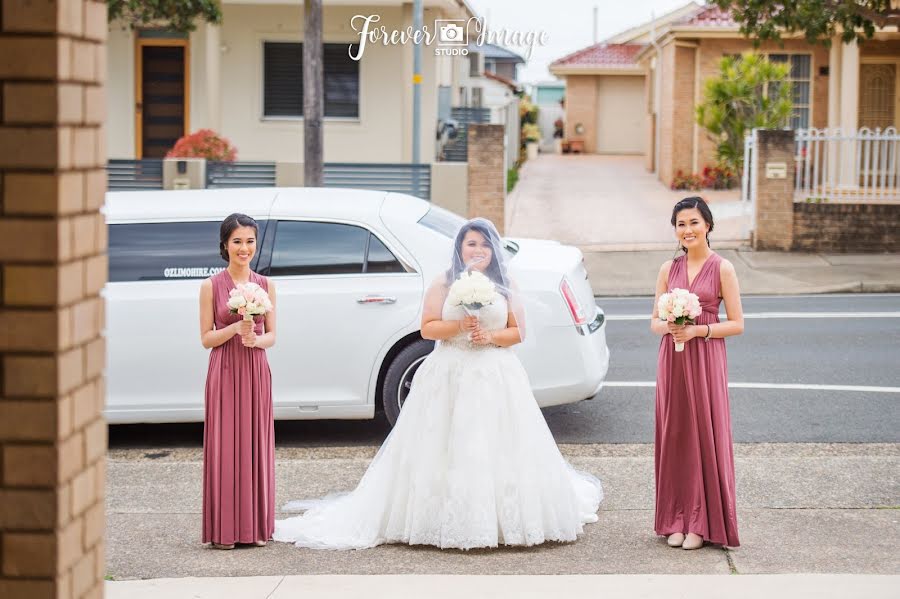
{"points": [[567, 23]]}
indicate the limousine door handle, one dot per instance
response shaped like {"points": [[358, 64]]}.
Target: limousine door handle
{"points": [[376, 299]]}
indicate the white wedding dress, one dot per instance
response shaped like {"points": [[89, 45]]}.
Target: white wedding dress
{"points": [[470, 463]]}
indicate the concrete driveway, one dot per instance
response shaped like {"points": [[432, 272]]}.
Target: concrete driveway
{"points": [[609, 203]]}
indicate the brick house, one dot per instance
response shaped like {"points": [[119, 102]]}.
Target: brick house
{"points": [[637, 92]]}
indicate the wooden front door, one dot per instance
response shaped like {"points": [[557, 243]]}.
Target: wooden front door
{"points": [[161, 95]]}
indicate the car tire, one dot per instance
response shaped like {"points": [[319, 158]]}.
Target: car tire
{"points": [[398, 380]]}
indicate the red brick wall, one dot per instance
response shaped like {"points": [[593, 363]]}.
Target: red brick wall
{"points": [[677, 112], [774, 227], [487, 174], [53, 264], [846, 227], [581, 107]]}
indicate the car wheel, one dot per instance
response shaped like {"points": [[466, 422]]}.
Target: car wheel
{"points": [[399, 377]]}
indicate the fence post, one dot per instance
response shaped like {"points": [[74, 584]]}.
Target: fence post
{"points": [[487, 174], [184, 173], [773, 181]]}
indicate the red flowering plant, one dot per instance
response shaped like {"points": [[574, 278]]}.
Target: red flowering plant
{"points": [[687, 181], [718, 177], [712, 177], [204, 143]]}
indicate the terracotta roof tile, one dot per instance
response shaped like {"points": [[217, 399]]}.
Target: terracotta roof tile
{"points": [[709, 16], [603, 55]]}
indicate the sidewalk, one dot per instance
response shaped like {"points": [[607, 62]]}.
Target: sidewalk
{"points": [[803, 508], [801, 586], [623, 273]]}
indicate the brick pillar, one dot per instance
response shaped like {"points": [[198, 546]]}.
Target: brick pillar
{"points": [[53, 265], [487, 174], [774, 197]]}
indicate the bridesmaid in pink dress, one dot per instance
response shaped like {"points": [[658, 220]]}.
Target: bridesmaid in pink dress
{"points": [[239, 431], [694, 458]]}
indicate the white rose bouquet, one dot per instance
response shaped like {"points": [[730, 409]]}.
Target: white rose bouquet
{"points": [[249, 300], [473, 291], [679, 306]]}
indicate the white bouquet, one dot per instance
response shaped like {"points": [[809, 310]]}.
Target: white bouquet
{"points": [[249, 300], [472, 290], [679, 306]]}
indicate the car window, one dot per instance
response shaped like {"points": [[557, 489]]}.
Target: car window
{"points": [[381, 259], [158, 251], [448, 224], [443, 221], [310, 248]]}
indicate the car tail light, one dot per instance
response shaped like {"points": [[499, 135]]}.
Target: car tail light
{"points": [[575, 307]]}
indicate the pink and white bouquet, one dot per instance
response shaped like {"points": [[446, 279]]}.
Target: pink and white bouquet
{"points": [[249, 300], [679, 306]]}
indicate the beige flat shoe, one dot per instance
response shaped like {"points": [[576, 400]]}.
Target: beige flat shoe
{"points": [[260, 543], [692, 541], [223, 547], [675, 539]]}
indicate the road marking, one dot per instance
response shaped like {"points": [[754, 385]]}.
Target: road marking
{"points": [[786, 386], [778, 315]]}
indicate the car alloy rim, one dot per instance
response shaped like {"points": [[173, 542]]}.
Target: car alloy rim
{"points": [[406, 381]]}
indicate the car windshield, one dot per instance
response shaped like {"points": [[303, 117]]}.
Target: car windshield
{"points": [[448, 223]]}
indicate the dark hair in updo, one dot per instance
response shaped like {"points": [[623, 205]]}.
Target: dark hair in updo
{"points": [[232, 222], [698, 203]]}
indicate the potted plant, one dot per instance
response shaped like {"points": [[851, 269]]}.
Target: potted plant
{"points": [[532, 134], [558, 134]]}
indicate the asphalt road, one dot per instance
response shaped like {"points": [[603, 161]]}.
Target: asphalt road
{"points": [[853, 359]]}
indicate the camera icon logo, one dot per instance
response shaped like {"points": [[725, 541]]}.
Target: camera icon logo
{"points": [[451, 32]]}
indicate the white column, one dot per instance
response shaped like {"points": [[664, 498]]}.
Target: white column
{"points": [[849, 110], [214, 77], [834, 83], [834, 109]]}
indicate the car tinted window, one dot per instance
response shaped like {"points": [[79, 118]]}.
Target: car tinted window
{"points": [[157, 251], [380, 259], [443, 221], [307, 248]]}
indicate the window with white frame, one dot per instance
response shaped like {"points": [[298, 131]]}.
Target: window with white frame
{"points": [[283, 80], [800, 80]]}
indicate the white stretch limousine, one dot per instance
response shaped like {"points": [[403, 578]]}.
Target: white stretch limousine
{"points": [[350, 268]]}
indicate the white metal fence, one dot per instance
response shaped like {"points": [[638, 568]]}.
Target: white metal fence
{"points": [[836, 166]]}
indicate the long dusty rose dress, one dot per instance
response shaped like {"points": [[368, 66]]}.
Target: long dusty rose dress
{"points": [[239, 433], [694, 454]]}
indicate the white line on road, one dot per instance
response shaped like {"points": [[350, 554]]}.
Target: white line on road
{"points": [[786, 386], [778, 315]]}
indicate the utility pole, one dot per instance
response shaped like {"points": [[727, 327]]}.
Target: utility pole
{"points": [[313, 94], [417, 81]]}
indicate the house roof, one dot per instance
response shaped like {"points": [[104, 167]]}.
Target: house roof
{"points": [[601, 56], [497, 53], [642, 33], [507, 82], [608, 55], [708, 16]]}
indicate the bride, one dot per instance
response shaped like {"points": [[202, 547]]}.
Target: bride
{"points": [[470, 462]]}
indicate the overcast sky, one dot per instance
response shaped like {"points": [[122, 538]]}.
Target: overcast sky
{"points": [[568, 24]]}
